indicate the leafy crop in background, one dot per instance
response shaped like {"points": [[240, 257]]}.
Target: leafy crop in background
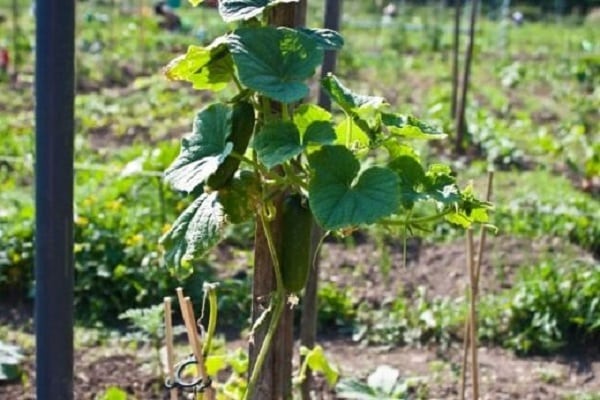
{"points": [[414, 322], [117, 260], [336, 308], [550, 307]]}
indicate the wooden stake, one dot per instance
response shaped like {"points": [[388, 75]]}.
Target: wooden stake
{"points": [[470, 330], [463, 370], [473, 315], [169, 345], [187, 313]]}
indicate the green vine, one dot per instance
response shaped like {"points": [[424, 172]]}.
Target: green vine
{"points": [[352, 172]]}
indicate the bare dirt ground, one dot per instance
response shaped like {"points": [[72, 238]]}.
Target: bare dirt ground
{"points": [[441, 269]]}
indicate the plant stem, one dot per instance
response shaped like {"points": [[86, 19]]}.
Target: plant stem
{"points": [[212, 317], [293, 178], [278, 304], [405, 238], [258, 167], [473, 316], [285, 112], [272, 251]]}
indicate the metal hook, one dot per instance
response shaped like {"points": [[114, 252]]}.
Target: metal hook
{"points": [[198, 384]]}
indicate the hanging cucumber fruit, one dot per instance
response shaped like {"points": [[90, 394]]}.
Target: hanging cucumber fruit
{"points": [[241, 131], [295, 249]]}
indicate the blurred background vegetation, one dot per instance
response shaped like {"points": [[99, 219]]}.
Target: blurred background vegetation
{"points": [[533, 117]]}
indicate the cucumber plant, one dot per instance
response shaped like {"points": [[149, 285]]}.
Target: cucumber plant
{"points": [[262, 144]]}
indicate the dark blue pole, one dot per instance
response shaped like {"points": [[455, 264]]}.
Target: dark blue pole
{"points": [[54, 95], [333, 11]]}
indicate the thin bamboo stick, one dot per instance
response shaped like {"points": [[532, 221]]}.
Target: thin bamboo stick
{"points": [[463, 370], [169, 345], [469, 330], [473, 315], [187, 310], [191, 331]]}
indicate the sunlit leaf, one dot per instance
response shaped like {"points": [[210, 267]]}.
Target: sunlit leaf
{"points": [[207, 68], [113, 393], [275, 61], [349, 134], [317, 361], [216, 363]]}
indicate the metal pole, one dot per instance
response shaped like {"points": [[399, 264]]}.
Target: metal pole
{"points": [[333, 10], [54, 92]]}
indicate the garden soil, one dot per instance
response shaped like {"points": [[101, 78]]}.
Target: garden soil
{"points": [[440, 269]]}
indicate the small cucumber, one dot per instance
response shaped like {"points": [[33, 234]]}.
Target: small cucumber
{"points": [[295, 249], [241, 130]]}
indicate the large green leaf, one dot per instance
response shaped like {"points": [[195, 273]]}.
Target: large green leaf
{"points": [[207, 68], [195, 231], [410, 127], [275, 61], [238, 10], [340, 197], [203, 151], [277, 142]]}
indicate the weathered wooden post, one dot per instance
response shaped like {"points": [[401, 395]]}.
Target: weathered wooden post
{"points": [[275, 381]]}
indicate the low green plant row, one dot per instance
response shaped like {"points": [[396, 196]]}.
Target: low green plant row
{"points": [[550, 307], [117, 257]]}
